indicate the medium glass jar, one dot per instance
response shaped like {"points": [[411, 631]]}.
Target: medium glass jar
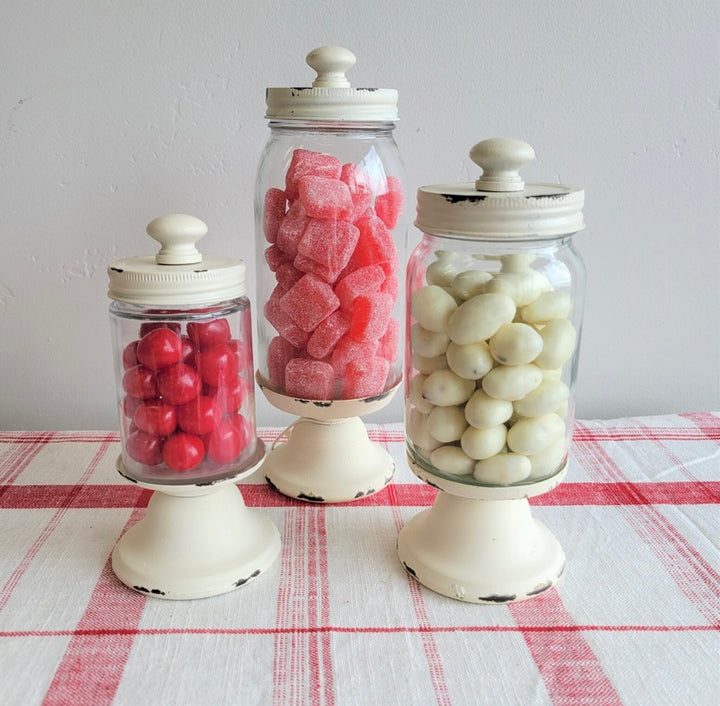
{"points": [[329, 201], [182, 344], [495, 295]]}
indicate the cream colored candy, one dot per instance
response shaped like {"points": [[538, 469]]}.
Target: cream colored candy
{"points": [[517, 262], [428, 343], [432, 307], [429, 365], [549, 305], [442, 271], [512, 382], [470, 361], [532, 435], [452, 459], [446, 424], [445, 388], [521, 287], [415, 394], [469, 283], [483, 411], [515, 344], [418, 432], [558, 344], [479, 318], [547, 461], [547, 397], [483, 443], [503, 469]]}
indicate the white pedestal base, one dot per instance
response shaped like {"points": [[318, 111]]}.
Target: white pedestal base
{"points": [[481, 544], [195, 542], [330, 461]]}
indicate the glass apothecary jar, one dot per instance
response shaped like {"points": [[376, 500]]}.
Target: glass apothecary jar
{"points": [[329, 217], [182, 349], [495, 294]]}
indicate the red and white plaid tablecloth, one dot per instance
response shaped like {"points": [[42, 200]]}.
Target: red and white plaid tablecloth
{"points": [[634, 620]]}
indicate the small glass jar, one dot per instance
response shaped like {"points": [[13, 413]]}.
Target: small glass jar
{"points": [[182, 344], [495, 295], [328, 206]]}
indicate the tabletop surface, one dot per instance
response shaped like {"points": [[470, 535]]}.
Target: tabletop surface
{"points": [[635, 619]]}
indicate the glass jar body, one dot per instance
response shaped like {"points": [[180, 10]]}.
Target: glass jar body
{"points": [[492, 341], [185, 391], [328, 211]]}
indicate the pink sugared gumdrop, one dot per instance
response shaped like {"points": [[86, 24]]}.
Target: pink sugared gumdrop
{"points": [[364, 280], [291, 229], [391, 286], [307, 162], [348, 350], [309, 379], [375, 245], [390, 342], [360, 185], [309, 301], [287, 274], [280, 320], [364, 378], [329, 244], [280, 353], [327, 334], [275, 257], [325, 198], [370, 317], [388, 205], [273, 213]]}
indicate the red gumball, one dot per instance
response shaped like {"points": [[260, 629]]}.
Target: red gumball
{"points": [[217, 365], [130, 404], [224, 443], [129, 355], [140, 381], [242, 352], [183, 452], [244, 428], [209, 333], [160, 348], [229, 395], [148, 326], [156, 417], [144, 448], [200, 416], [188, 351], [179, 383]]}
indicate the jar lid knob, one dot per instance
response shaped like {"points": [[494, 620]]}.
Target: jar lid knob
{"points": [[177, 234], [331, 63], [500, 159]]}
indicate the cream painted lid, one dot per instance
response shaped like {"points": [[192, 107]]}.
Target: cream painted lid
{"points": [[178, 274], [331, 97], [499, 204]]}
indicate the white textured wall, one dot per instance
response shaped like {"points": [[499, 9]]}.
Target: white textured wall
{"points": [[112, 113]]}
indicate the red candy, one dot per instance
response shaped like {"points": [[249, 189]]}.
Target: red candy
{"points": [[308, 163], [388, 205], [309, 301], [144, 448], [375, 246], [390, 342], [140, 381], [283, 324], [129, 355], [179, 383], [370, 317], [156, 417], [328, 245], [209, 333], [159, 348], [309, 379], [364, 280], [200, 416], [273, 213], [358, 182], [325, 198], [291, 230], [183, 452], [280, 352], [327, 334], [224, 443], [348, 350], [217, 364], [364, 378]]}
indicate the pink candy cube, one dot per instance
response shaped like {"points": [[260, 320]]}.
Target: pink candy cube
{"points": [[364, 280], [291, 229], [325, 198], [309, 379], [275, 257], [375, 245], [309, 301], [327, 334], [348, 350], [287, 274], [283, 324], [389, 346], [273, 213], [280, 352], [358, 181], [329, 244], [388, 205], [365, 378], [370, 316], [306, 162]]}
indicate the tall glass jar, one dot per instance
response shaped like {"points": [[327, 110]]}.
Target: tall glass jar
{"points": [[329, 201], [182, 344], [495, 297]]}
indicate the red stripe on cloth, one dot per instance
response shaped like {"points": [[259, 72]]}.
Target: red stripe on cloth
{"points": [[432, 653], [692, 573], [571, 671], [707, 422], [13, 463], [92, 666], [395, 495]]}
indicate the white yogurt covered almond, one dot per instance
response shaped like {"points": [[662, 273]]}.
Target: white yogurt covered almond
{"points": [[515, 344], [558, 337], [447, 424], [512, 382], [481, 410], [470, 361], [503, 469], [480, 317], [445, 388], [483, 443], [452, 459], [532, 435], [432, 307]]}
